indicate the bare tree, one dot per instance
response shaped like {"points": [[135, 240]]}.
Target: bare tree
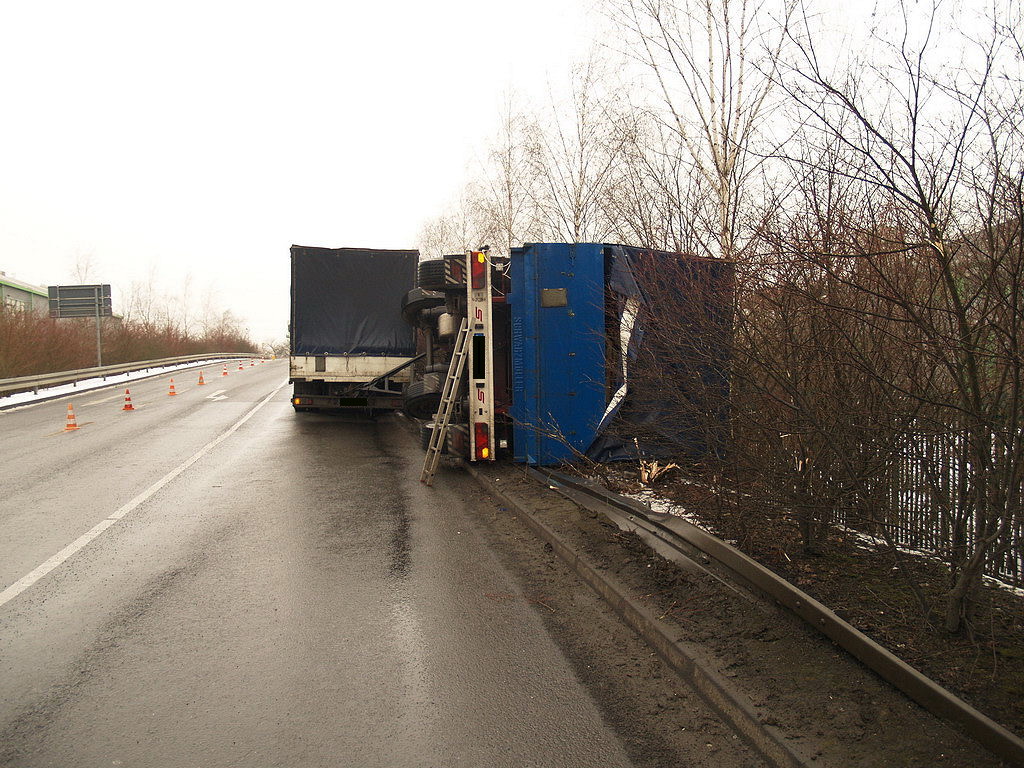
{"points": [[507, 181], [713, 65], [931, 156], [85, 266], [653, 199], [573, 150], [464, 225]]}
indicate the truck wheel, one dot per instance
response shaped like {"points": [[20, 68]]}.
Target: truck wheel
{"points": [[423, 397], [417, 300], [430, 275]]}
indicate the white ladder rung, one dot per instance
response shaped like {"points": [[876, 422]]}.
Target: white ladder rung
{"points": [[444, 412]]}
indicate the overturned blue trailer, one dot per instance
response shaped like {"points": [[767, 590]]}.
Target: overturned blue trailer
{"points": [[572, 349], [616, 350]]}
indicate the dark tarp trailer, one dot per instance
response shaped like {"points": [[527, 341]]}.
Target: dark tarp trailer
{"points": [[344, 301]]}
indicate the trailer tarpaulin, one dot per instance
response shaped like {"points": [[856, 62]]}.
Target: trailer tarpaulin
{"points": [[346, 301], [628, 298], [679, 405]]}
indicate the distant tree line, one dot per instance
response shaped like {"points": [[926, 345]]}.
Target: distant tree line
{"points": [[31, 343]]}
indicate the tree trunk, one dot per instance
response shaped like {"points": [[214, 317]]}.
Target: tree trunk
{"points": [[959, 599]]}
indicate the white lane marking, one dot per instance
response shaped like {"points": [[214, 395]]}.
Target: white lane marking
{"points": [[82, 541], [104, 400], [217, 395]]}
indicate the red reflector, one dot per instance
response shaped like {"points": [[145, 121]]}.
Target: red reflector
{"points": [[481, 441], [478, 270]]}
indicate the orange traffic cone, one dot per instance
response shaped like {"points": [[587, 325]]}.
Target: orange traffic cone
{"points": [[128, 401], [201, 381], [171, 390], [252, 363], [240, 366], [72, 424], [225, 370]]}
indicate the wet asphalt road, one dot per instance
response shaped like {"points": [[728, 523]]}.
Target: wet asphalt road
{"points": [[293, 597]]}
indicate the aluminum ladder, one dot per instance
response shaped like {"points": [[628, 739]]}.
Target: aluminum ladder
{"points": [[444, 412]]}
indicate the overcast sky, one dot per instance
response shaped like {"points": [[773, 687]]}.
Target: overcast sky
{"points": [[201, 139], [190, 143]]}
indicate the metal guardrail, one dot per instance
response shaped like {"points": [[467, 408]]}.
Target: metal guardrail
{"points": [[35, 383], [701, 546]]}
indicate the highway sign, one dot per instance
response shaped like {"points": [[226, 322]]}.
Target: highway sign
{"points": [[80, 301]]}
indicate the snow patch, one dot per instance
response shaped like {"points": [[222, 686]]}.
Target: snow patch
{"points": [[873, 542], [666, 507], [25, 399]]}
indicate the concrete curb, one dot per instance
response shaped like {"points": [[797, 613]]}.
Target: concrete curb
{"points": [[731, 705]]}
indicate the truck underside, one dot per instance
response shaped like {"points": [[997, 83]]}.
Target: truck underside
{"points": [[345, 382], [338, 395]]}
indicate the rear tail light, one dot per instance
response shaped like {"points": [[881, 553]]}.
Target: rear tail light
{"points": [[482, 441], [478, 270]]}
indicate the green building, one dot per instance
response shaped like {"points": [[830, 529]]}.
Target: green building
{"points": [[14, 294]]}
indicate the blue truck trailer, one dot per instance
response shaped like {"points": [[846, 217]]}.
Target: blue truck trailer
{"points": [[553, 332]]}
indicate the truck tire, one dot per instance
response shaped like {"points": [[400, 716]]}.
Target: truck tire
{"points": [[430, 275], [423, 397], [417, 300]]}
